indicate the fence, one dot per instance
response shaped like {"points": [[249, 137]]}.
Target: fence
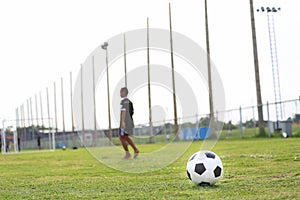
{"points": [[243, 122], [235, 123]]}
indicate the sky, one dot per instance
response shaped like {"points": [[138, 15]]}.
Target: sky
{"points": [[42, 41]]}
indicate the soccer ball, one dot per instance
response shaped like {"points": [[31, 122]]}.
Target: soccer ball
{"points": [[204, 168], [63, 147], [284, 134]]}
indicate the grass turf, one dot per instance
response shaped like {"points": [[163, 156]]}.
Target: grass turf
{"points": [[254, 169]]}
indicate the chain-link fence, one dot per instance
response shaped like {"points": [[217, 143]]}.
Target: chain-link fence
{"points": [[243, 122], [235, 123]]}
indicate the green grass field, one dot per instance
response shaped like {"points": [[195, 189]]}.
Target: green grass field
{"points": [[254, 169]]}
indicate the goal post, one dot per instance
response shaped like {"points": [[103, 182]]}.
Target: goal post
{"points": [[17, 137]]}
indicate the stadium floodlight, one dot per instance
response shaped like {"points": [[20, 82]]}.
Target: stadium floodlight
{"points": [[268, 9], [274, 59], [104, 47]]}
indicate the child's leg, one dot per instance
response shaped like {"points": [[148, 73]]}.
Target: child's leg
{"points": [[131, 143]]}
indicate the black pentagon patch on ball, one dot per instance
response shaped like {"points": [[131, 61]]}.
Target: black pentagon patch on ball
{"points": [[200, 168], [210, 155], [193, 157], [204, 184], [188, 175], [217, 171]]}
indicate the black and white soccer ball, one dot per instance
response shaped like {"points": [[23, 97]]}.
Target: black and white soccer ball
{"points": [[204, 168]]}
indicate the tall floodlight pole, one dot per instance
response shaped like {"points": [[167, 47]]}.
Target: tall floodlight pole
{"points": [[173, 73], [104, 46], [94, 97], [55, 107], [63, 107], [257, 76], [211, 103], [149, 84], [274, 60], [125, 62], [82, 104]]}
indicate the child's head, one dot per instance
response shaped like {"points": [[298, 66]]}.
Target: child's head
{"points": [[124, 92]]}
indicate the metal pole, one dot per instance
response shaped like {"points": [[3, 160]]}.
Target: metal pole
{"points": [[173, 73], [254, 122], [241, 123], [36, 112], [53, 140], [17, 121], [42, 116], [31, 114], [28, 112], [273, 70], [269, 123], [17, 118], [55, 108], [282, 108], [62, 108], [211, 103], [94, 97], [94, 101], [71, 100], [82, 107], [125, 63], [274, 61], [108, 96], [72, 112], [149, 86], [22, 110], [48, 112], [257, 77]]}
